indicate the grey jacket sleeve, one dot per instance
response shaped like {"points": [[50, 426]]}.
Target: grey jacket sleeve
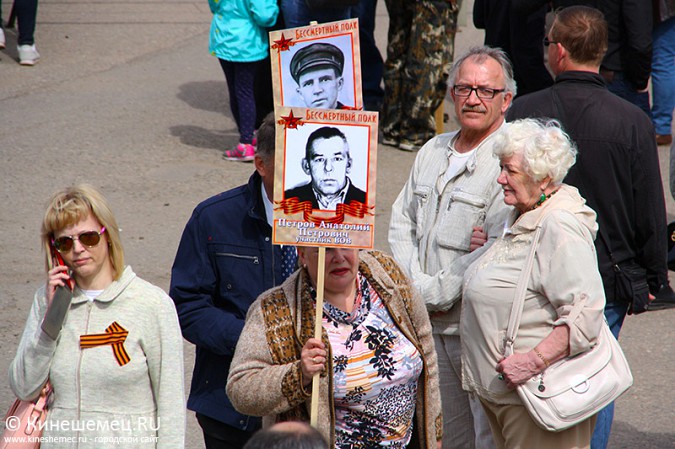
{"points": [[29, 370]]}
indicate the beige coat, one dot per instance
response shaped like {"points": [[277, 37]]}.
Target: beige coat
{"points": [[265, 377], [564, 288]]}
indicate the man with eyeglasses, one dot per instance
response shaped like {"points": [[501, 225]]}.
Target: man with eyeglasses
{"points": [[450, 204], [617, 168]]}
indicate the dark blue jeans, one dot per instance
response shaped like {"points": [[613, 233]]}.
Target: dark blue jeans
{"points": [[372, 64], [26, 12], [663, 76], [615, 312], [298, 14], [240, 78]]}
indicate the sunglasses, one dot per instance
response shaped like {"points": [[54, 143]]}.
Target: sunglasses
{"points": [[548, 42], [89, 239]]}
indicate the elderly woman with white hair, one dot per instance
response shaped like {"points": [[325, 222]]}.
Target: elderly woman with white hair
{"points": [[564, 297]]}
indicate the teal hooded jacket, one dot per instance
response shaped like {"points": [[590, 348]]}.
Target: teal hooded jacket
{"points": [[238, 29]]}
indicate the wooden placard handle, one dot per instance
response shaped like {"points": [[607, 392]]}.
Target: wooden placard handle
{"points": [[318, 328]]}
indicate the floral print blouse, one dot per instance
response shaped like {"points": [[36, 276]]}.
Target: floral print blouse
{"points": [[376, 369]]}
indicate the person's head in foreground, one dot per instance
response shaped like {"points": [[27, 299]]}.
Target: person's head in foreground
{"points": [[264, 153], [287, 435]]}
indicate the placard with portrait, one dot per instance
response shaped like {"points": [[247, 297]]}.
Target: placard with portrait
{"points": [[324, 180], [317, 66]]}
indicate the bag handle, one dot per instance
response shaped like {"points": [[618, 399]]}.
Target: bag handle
{"points": [[519, 298]]}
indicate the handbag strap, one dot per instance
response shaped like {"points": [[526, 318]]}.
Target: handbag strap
{"points": [[519, 299], [42, 402]]}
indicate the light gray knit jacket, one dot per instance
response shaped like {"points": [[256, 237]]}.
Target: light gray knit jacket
{"points": [[97, 402]]}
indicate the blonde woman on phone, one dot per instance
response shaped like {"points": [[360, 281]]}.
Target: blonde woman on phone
{"points": [[116, 362]]}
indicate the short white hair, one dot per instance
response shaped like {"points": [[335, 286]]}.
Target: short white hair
{"points": [[547, 150]]}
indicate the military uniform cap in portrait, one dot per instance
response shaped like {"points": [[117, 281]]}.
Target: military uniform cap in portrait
{"points": [[314, 56], [317, 66]]}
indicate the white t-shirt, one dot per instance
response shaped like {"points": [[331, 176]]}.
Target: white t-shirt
{"points": [[456, 163]]}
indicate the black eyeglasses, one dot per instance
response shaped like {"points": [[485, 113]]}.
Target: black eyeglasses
{"points": [[486, 93], [548, 42], [89, 239]]}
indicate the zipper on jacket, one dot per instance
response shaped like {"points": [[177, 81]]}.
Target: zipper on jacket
{"points": [[274, 273], [254, 259], [90, 304]]}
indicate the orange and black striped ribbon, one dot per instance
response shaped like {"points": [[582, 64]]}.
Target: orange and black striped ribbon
{"points": [[115, 335], [354, 208]]}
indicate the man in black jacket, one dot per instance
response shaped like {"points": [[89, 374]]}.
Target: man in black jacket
{"points": [[519, 35], [627, 64], [617, 168]]}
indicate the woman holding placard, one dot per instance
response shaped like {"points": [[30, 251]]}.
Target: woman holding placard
{"points": [[379, 377]]}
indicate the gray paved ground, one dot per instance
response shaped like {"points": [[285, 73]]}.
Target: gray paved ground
{"points": [[127, 98]]}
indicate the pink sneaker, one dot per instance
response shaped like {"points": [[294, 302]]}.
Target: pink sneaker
{"points": [[244, 152]]}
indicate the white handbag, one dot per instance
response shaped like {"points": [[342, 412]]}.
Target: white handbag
{"points": [[575, 388]]}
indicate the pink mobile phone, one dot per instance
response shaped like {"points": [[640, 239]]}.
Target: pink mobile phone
{"points": [[57, 260]]}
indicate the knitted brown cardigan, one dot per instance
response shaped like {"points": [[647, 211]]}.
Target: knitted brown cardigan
{"points": [[265, 376]]}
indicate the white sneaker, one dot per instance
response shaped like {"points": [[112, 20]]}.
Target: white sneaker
{"points": [[28, 54], [2, 39]]}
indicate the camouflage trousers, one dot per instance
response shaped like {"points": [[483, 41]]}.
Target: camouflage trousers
{"points": [[420, 49]]}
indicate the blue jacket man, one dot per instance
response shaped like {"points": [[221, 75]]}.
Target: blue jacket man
{"points": [[224, 261]]}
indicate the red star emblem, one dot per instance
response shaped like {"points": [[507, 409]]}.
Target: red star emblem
{"points": [[291, 122], [283, 44]]}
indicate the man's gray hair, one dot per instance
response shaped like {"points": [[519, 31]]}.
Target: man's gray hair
{"points": [[480, 54]]}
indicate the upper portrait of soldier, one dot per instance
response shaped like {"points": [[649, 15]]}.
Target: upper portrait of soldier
{"points": [[317, 69]]}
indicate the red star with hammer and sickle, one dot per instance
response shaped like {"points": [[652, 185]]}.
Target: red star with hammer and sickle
{"points": [[290, 121], [283, 44]]}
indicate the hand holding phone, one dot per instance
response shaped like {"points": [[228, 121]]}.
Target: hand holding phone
{"points": [[57, 261], [59, 295]]}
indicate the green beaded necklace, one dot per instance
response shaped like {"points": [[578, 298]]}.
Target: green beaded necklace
{"points": [[543, 198]]}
